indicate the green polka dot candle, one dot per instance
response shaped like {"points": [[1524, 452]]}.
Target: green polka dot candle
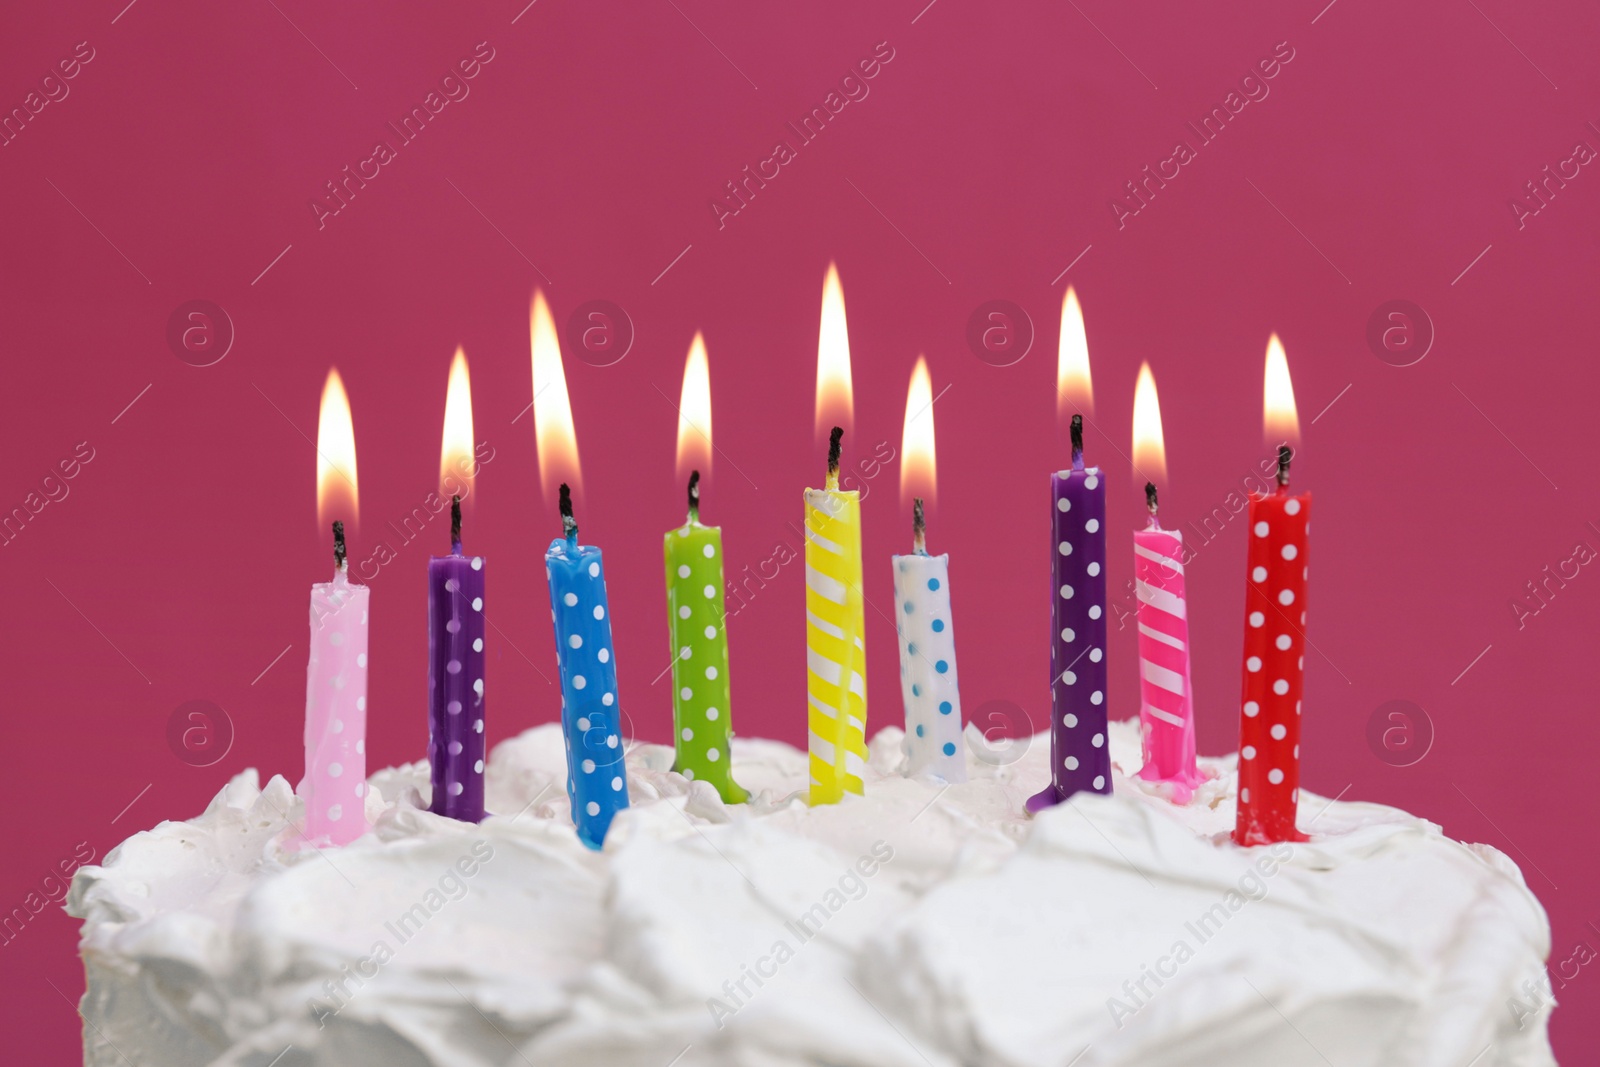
{"points": [[701, 724]]}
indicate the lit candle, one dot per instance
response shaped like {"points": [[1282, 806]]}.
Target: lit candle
{"points": [[1274, 633], [702, 726], [456, 742], [597, 782], [335, 781], [836, 670], [1080, 759], [1166, 694], [923, 619]]}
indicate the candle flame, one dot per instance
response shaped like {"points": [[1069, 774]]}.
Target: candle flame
{"points": [[553, 432], [337, 496], [1280, 422], [694, 413], [918, 464], [835, 403], [456, 467], [1074, 390], [1149, 444]]}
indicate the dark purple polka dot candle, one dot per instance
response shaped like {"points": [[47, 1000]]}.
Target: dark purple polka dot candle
{"points": [[1080, 757], [455, 679]]}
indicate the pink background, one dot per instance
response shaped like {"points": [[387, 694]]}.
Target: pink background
{"points": [[981, 165]]}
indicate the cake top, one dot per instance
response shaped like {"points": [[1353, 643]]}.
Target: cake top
{"points": [[779, 933]]}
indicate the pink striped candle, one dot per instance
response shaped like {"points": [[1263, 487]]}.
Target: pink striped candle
{"points": [[1166, 694], [335, 783]]}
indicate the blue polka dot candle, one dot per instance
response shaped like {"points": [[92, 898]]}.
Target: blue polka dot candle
{"points": [[1080, 759], [597, 780], [928, 689]]}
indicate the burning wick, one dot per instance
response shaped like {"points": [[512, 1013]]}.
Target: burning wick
{"points": [[1150, 502], [455, 524], [919, 529], [834, 443], [569, 525], [1077, 442], [1285, 454], [338, 545], [694, 496]]}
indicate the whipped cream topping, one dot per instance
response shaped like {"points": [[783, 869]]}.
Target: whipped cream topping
{"points": [[916, 925]]}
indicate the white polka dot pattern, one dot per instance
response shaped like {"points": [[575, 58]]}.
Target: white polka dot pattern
{"points": [[697, 630], [1078, 630], [336, 712], [456, 632], [589, 716], [1274, 646]]}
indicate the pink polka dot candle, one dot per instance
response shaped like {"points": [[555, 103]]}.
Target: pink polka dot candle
{"points": [[1274, 640], [335, 783]]}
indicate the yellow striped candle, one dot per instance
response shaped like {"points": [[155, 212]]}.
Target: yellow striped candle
{"points": [[836, 668]]}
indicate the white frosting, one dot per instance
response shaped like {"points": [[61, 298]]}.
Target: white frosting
{"points": [[946, 928]]}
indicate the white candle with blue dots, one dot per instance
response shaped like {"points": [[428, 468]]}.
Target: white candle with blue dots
{"points": [[928, 662]]}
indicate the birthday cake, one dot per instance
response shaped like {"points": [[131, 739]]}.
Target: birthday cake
{"points": [[915, 926]]}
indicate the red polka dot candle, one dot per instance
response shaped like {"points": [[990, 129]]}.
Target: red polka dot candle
{"points": [[1274, 637]]}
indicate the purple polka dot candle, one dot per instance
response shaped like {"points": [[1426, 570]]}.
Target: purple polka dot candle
{"points": [[456, 738], [456, 742], [1080, 758]]}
